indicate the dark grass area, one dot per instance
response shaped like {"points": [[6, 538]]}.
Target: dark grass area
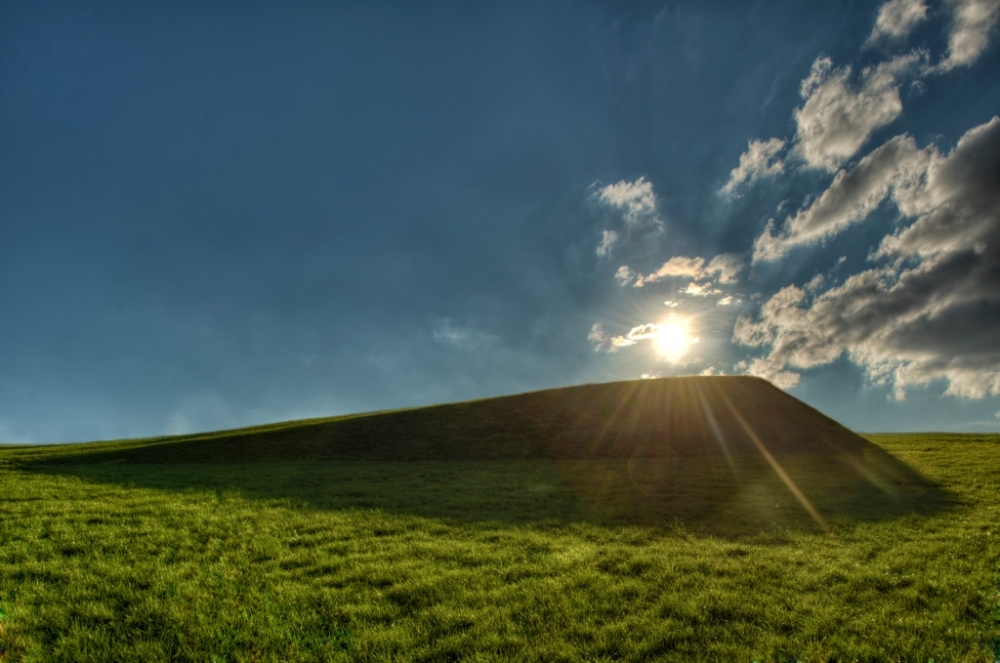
{"points": [[704, 493]]}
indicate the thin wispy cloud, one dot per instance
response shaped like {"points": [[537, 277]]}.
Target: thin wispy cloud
{"points": [[608, 239], [636, 200], [760, 160], [972, 23], [896, 19], [724, 268], [637, 204], [461, 337]]}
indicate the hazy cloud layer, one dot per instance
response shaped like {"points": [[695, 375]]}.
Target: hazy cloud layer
{"points": [[972, 21], [897, 18], [840, 114], [933, 310], [760, 160]]}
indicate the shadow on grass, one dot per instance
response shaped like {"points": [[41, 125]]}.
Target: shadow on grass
{"points": [[712, 494]]}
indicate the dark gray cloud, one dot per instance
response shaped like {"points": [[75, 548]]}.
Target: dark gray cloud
{"points": [[931, 311]]}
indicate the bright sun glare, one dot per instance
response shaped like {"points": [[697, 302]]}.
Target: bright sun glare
{"points": [[672, 340]]}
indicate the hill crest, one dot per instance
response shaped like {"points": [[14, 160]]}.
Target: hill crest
{"points": [[683, 416]]}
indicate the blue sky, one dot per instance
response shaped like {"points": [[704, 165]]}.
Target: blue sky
{"points": [[217, 214]]}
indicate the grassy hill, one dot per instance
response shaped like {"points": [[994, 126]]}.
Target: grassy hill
{"points": [[679, 519], [648, 418]]}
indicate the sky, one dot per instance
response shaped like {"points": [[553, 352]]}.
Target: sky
{"points": [[219, 214]]}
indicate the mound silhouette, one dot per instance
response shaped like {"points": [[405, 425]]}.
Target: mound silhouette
{"points": [[727, 454], [687, 416]]}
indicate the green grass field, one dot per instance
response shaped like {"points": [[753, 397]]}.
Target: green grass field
{"points": [[109, 555]]}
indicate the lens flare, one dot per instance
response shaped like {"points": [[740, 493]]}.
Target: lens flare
{"points": [[672, 340]]}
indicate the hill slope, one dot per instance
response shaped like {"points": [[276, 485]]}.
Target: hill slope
{"points": [[688, 416]]}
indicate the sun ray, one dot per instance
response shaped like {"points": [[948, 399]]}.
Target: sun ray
{"points": [[772, 461]]}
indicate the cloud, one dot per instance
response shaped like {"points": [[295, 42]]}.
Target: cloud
{"points": [[897, 18], [972, 21], [598, 337], [838, 116], [601, 340], [763, 368], [636, 200], [815, 283], [460, 337], [728, 300], [956, 202], [701, 289], [932, 311], [624, 275], [676, 266], [725, 266], [852, 196], [636, 334], [758, 161], [608, 239]]}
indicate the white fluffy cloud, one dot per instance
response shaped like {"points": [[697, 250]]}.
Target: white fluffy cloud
{"points": [[624, 275], [895, 166], [764, 368], [676, 266], [972, 21], [701, 289], [601, 340], [897, 18], [760, 160], [636, 200], [932, 311], [839, 115], [723, 268]]}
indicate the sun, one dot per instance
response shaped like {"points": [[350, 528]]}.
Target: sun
{"points": [[672, 340]]}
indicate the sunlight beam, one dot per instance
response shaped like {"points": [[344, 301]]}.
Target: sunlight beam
{"points": [[803, 500]]}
